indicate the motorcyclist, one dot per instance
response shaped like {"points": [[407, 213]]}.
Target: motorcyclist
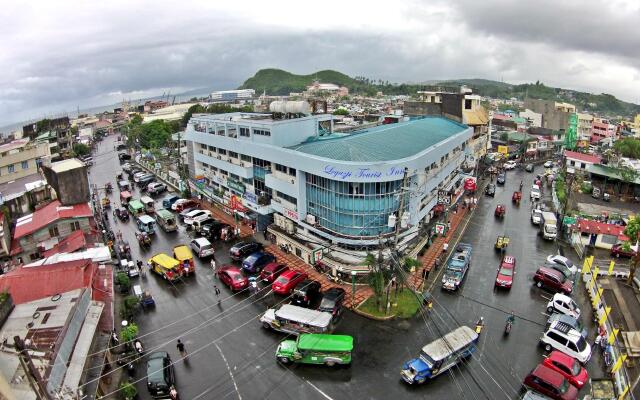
{"points": [[511, 319], [479, 325], [521, 186]]}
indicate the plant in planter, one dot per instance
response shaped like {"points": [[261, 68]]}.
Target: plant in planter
{"points": [[129, 333], [129, 306], [128, 391]]}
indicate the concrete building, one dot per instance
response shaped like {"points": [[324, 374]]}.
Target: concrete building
{"points": [[69, 180], [580, 161], [332, 88], [333, 188], [534, 118], [231, 95], [35, 234], [169, 113], [555, 116], [585, 122], [602, 129], [22, 158], [60, 331]]}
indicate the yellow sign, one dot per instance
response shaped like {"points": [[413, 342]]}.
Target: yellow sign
{"points": [[503, 149]]}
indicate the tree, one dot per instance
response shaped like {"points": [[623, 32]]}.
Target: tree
{"points": [[129, 306], [628, 175], [627, 147], [376, 278], [341, 111], [81, 149], [128, 391], [632, 231], [129, 333]]}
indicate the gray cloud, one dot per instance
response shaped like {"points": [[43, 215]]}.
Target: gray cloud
{"points": [[93, 56]]}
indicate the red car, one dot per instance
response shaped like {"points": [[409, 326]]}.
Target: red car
{"points": [[287, 281], [618, 251], [271, 271], [232, 276], [507, 270], [553, 280], [182, 204], [568, 366], [500, 210], [550, 383]]}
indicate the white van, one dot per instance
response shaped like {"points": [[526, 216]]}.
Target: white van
{"points": [[202, 247], [194, 214], [563, 337]]}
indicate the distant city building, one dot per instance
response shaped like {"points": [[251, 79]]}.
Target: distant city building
{"points": [[231, 95], [555, 116], [602, 129], [585, 122], [151, 106], [339, 188], [534, 118], [22, 158], [332, 88]]}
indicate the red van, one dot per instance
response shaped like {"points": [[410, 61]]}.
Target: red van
{"points": [[550, 383]]}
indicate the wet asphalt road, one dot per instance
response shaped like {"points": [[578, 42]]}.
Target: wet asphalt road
{"points": [[231, 356]]}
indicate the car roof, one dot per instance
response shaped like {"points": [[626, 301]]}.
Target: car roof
{"points": [[548, 375], [561, 357], [201, 241], [562, 296], [509, 260], [568, 330], [290, 273], [333, 293], [551, 271], [230, 267]]}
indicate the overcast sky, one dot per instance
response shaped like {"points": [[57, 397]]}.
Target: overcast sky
{"points": [[56, 55]]}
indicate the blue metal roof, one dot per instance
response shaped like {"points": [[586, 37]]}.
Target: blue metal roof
{"points": [[385, 142]]}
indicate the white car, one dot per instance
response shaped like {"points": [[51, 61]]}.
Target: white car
{"points": [[535, 192], [510, 164], [562, 260], [563, 337], [548, 164], [563, 304], [195, 214], [536, 216]]}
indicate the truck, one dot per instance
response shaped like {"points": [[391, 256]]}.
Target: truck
{"points": [[457, 267], [548, 225]]}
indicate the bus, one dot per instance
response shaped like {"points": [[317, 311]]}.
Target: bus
{"points": [[295, 320], [440, 355], [312, 348], [166, 220]]}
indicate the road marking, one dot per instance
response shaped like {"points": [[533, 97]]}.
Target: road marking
{"points": [[326, 396], [230, 373]]}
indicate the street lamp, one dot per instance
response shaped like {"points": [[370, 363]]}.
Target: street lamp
{"points": [[353, 289]]}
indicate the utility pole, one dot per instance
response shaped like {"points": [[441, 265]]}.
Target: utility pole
{"points": [[32, 373], [402, 190]]}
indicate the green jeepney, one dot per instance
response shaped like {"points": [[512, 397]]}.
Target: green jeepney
{"points": [[135, 207], [314, 348]]}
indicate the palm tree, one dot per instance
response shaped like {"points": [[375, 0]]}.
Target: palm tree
{"points": [[376, 278]]}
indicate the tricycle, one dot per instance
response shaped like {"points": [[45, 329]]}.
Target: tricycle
{"points": [[121, 213], [517, 196], [146, 300], [106, 203], [143, 239], [500, 210], [122, 248], [502, 242], [108, 187]]}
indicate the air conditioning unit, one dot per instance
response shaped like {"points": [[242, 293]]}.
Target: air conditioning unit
{"points": [[391, 222], [293, 180], [290, 227], [280, 221], [404, 221], [242, 163], [311, 219], [219, 157]]}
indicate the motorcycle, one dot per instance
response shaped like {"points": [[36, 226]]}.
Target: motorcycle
{"points": [[479, 325], [508, 327], [138, 346]]}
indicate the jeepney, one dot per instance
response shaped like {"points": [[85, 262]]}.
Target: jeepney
{"points": [[149, 206], [146, 224], [165, 266], [312, 348], [135, 207], [166, 220], [183, 254], [295, 320]]}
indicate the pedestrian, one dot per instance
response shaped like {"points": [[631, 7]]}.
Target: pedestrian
{"points": [[264, 233], [475, 202], [425, 274], [445, 247], [448, 226], [213, 266], [217, 291], [181, 348], [436, 263]]}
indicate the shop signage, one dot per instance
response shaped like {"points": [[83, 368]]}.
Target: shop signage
{"points": [[444, 197], [290, 214], [236, 204], [470, 184], [250, 197], [235, 185], [361, 173], [440, 228], [503, 150], [316, 256]]}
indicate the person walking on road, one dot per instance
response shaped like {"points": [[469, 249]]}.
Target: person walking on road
{"points": [[217, 291], [181, 349], [213, 266], [445, 247]]}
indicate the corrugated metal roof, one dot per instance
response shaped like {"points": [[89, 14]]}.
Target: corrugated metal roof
{"points": [[386, 142], [48, 214]]}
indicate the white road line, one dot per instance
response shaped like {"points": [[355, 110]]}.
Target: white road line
{"points": [[326, 396], [230, 373]]}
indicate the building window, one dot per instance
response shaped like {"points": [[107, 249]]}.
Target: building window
{"points": [[11, 168], [244, 132], [233, 154], [262, 132], [583, 165], [75, 225], [572, 163], [25, 164], [286, 197], [281, 168], [53, 231], [222, 152], [34, 256], [292, 171], [467, 104], [245, 158]]}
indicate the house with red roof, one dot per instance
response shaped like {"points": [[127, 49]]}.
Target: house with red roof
{"points": [[581, 161], [599, 234], [35, 234]]}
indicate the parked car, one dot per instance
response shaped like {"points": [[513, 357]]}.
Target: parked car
{"points": [[617, 250], [506, 272], [332, 302], [490, 190], [550, 383], [306, 293], [256, 261], [124, 157], [271, 271], [536, 216], [137, 174], [193, 215], [202, 247], [160, 374], [501, 178], [156, 187], [287, 281], [529, 168], [232, 276], [568, 367], [563, 304], [560, 268], [145, 181], [510, 165], [535, 192], [181, 204], [563, 337], [213, 230], [169, 200], [562, 260], [553, 280], [242, 249], [183, 214], [548, 164]]}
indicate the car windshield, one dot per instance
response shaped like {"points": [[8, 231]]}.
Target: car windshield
{"points": [[582, 344], [564, 386], [327, 303], [282, 280], [576, 368], [550, 228], [506, 271]]}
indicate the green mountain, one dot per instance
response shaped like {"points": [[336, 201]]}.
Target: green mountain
{"points": [[278, 82]]}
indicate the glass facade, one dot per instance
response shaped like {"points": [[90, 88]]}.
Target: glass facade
{"points": [[351, 208]]}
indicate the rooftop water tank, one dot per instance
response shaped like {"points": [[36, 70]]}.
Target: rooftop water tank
{"points": [[290, 107]]}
